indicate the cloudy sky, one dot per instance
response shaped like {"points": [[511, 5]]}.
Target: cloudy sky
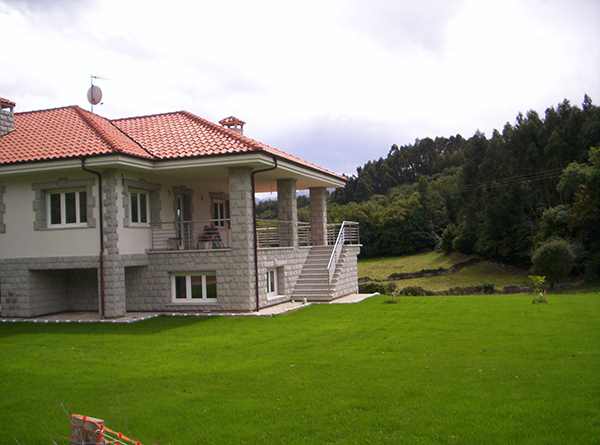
{"points": [[335, 81]]}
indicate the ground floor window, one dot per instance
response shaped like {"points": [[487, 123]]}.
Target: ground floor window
{"points": [[272, 288], [194, 287], [67, 208]]}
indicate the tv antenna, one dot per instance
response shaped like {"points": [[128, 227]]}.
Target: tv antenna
{"points": [[94, 94]]}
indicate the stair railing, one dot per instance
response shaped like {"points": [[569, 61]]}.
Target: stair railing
{"points": [[336, 251]]}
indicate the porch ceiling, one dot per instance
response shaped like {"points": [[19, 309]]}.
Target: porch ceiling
{"points": [[265, 181]]}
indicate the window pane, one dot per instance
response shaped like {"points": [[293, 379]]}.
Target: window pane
{"points": [[180, 291], [211, 286], [196, 286], [268, 282], [82, 207], [272, 281], [55, 208], [143, 207], [70, 209], [134, 208]]}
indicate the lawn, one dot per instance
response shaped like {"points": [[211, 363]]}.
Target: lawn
{"points": [[381, 268], [480, 273], [438, 370], [474, 275]]}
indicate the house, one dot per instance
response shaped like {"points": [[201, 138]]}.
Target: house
{"points": [[157, 213]]}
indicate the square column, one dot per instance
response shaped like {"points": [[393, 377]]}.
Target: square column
{"points": [[114, 271], [318, 216], [287, 211], [241, 289]]}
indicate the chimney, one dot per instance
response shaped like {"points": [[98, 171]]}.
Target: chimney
{"points": [[7, 120], [233, 123]]}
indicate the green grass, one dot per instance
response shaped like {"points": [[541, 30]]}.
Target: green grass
{"points": [[440, 370], [477, 274], [381, 268], [485, 272]]}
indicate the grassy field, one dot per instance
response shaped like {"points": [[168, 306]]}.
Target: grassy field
{"points": [[477, 274], [443, 370], [381, 268]]}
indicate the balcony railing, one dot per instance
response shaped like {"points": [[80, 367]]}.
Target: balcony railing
{"points": [[216, 234], [192, 235]]}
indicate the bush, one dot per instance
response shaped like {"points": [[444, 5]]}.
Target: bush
{"points": [[414, 291], [554, 259], [371, 287], [446, 244], [538, 284], [488, 288]]}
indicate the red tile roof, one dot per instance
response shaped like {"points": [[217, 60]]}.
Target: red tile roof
{"points": [[71, 132], [60, 133]]}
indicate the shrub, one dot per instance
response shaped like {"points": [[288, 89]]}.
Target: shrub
{"points": [[488, 288], [446, 243], [414, 291], [372, 287], [554, 259], [539, 288]]}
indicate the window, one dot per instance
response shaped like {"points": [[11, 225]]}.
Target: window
{"points": [[67, 209], [194, 287], [272, 290], [139, 208], [220, 212]]}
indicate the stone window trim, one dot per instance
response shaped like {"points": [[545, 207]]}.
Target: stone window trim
{"points": [[2, 209], [153, 191], [40, 206]]}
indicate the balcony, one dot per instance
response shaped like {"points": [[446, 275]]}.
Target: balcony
{"points": [[214, 234]]}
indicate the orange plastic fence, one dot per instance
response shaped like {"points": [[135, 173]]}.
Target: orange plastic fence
{"points": [[104, 435]]}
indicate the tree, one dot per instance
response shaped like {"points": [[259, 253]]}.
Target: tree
{"points": [[553, 259]]}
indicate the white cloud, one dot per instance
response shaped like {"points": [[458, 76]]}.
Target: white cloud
{"points": [[314, 77]]}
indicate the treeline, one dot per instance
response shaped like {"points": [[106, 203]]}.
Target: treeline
{"points": [[499, 197]]}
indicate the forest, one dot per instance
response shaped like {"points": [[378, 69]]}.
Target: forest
{"points": [[501, 197]]}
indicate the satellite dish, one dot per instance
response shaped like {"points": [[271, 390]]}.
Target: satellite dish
{"points": [[94, 95]]}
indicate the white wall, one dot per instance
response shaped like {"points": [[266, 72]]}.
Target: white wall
{"points": [[21, 241], [134, 240]]}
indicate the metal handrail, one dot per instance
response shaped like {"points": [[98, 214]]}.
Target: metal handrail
{"points": [[336, 251]]}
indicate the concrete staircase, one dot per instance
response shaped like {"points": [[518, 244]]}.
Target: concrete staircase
{"points": [[313, 282]]}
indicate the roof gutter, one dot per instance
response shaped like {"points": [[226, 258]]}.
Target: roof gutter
{"points": [[101, 234], [273, 167]]}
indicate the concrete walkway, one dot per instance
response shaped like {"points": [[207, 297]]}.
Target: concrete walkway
{"points": [[353, 298], [133, 317]]}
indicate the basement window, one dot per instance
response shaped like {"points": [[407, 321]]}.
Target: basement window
{"points": [[194, 287], [272, 287], [67, 208]]}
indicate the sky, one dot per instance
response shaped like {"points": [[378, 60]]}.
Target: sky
{"points": [[336, 82]]}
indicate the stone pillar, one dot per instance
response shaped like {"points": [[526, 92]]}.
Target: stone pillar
{"points": [[287, 211], [241, 285], [86, 430], [114, 272], [318, 216]]}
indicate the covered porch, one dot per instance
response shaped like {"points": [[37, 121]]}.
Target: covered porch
{"points": [[203, 210]]}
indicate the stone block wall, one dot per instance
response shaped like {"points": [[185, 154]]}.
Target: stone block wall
{"points": [[149, 288], [7, 121], [2, 209], [290, 260], [36, 286], [347, 272]]}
